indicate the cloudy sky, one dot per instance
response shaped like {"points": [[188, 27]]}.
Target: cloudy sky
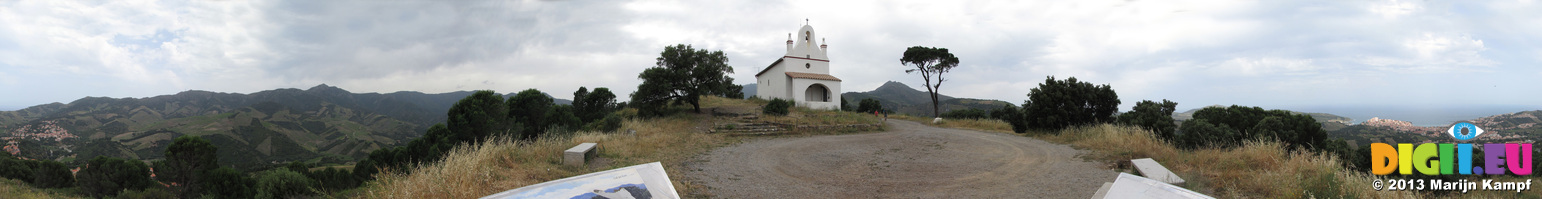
{"points": [[1260, 53]]}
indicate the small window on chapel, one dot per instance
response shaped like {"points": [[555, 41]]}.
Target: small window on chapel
{"points": [[806, 65], [806, 35]]}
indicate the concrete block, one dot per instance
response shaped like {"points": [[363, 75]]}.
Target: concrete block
{"points": [[1102, 191], [577, 155], [1128, 186], [1154, 171]]}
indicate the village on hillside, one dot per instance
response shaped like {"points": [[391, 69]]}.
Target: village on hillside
{"points": [[1519, 127]]}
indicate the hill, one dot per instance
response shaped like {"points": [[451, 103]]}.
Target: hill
{"points": [[322, 123], [750, 90], [1320, 117], [905, 100]]}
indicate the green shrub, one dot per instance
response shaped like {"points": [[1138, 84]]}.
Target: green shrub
{"points": [[610, 123], [151, 193], [13, 168], [333, 179], [1297, 130], [52, 174], [777, 107], [561, 119], [869, 105], [1013, 116], [107, 176], [971, 113], [1156, 117], [1199, 133], [283, 183], [226, 182]]}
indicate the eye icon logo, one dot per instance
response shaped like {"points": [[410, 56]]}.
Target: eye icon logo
{"points": [[1465, 131]]}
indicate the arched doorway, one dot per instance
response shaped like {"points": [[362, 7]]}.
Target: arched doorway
{"points": [[816, 93]]}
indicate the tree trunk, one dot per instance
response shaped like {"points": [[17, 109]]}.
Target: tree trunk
{"points": [[695, 100], [935, 114], [933, 93]]}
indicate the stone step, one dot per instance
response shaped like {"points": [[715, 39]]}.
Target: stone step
{"points": [[744, 125], [758, 128], [756, 133], [749, 129]]}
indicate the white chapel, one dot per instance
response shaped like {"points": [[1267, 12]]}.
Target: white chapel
{"points": [[802, 75]]}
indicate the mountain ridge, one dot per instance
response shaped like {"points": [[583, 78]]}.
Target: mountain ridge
{"points": [[901, 98], [322, 123]]}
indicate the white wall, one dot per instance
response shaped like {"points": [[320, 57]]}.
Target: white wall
{"points": [[801, 85], [772, 84], [797, 65]]}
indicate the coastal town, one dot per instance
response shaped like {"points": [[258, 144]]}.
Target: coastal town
{"points": [[1510, 127]]}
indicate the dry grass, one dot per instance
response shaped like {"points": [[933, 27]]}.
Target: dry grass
{"points": [[12, 188], [472, 171], [499, 165], [1257, 169], [715, 101]]}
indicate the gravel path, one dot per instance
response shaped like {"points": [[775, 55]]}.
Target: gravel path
{"points": [[909, 161]]}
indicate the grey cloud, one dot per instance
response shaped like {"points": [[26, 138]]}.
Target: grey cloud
{"points": [[1198, 53], [349, 40]]}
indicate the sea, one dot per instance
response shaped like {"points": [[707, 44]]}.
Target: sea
{"points": [[1419, 116]]}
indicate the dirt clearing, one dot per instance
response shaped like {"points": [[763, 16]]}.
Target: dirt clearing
{"points": [[910, 160]]}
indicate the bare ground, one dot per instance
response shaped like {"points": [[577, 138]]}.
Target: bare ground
{"points": [[910, 160]]}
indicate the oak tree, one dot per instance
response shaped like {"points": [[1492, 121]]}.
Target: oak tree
{"points": [[1057, 104], [682, 75]]}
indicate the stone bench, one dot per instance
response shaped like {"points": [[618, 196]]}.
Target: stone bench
{"points": [[577, 155], [1149, 168]]}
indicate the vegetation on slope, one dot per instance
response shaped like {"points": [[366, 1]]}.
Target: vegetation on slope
{"points": [[320, 124], [1256, 168], [503, 163], [13, 188]]}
